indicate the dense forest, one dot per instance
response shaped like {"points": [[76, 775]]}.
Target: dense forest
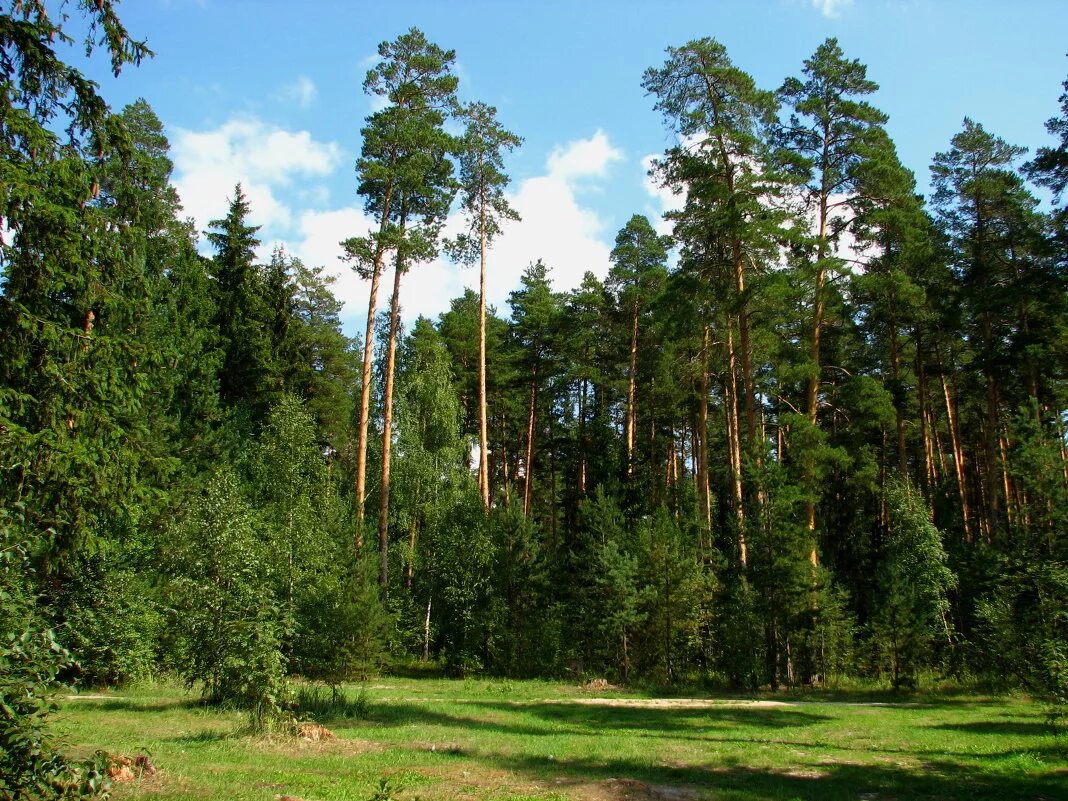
{"points": [[816, 434]]}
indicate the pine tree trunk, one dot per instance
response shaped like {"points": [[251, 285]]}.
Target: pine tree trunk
{"points": [[426, 632], [992, 506], [738, 261], [899, 413], [695, 451], [926, 420], [958, 460], [505, 474], [387, 434], [1006, 481], [746, 355], [632, 392], [734, 446], [553, 507], [365, 405], [1062, 432], [703, 484], [582, 438], [409, 565], [528, 472], [368, 362], [813, 389], [413, 536], [669, 461], [483, 429]]}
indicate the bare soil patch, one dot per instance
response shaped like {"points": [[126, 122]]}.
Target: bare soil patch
{"points": [[668, 703], [298, 745]]}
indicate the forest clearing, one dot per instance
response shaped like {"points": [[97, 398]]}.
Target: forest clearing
{"points": [[300, 391], [542, 741]]}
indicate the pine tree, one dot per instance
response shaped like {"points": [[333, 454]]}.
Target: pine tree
{"points": [[482, 183], [639, 269], [992, 226], [535, 313], [828, 133], [403, 149]]}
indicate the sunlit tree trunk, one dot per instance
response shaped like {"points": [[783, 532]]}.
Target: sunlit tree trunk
{"points": [[703, 484], [387, 434], [735, 445], [368, 363], [899, 413], [958, 460], [582, 437], [483, 430], [528, 467], [926, 421], [632, 392]]}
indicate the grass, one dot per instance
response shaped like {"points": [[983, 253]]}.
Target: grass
{"points": [[491, 740]]}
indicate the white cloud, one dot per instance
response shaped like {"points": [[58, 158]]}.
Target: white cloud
{"points": [[301, 91], [663, 198], [262, 157], [830, 8], [583, 158], [555, 227]]}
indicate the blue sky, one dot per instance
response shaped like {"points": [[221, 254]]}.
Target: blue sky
{"points": [[268, 92]]}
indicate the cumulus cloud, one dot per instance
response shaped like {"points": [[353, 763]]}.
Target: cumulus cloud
{"points": [[278, 170], [569, 237], [583, 158], [830, 8], [301, 91], [662, 198], [262, 157]]}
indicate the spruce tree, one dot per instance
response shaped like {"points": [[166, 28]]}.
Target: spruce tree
{"points": [[241, 312]]}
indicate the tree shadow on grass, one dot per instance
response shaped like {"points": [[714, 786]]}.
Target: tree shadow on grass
{"points": [[206, 736], [664, 719], [734, 726], [580, 720], [407, 714], [1025, 728], [134, 705], [941, 780]]}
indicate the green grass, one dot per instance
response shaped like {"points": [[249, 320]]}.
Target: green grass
{"points": [[511, 740]]}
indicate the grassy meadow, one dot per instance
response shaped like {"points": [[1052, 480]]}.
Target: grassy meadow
{"points": [[511, 740]]}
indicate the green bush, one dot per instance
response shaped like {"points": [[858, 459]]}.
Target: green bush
{"points": [[111, 623], [31, 767], [224, 616], [914, 581]]}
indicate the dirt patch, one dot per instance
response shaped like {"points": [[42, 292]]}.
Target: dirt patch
{"points": [[887, 704], [314, 733], [634, 790], [668, 703], [122, 768], [806, 773], [452, 749], [338, 746], [460, 783], [598, 685], [91, 697]]}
